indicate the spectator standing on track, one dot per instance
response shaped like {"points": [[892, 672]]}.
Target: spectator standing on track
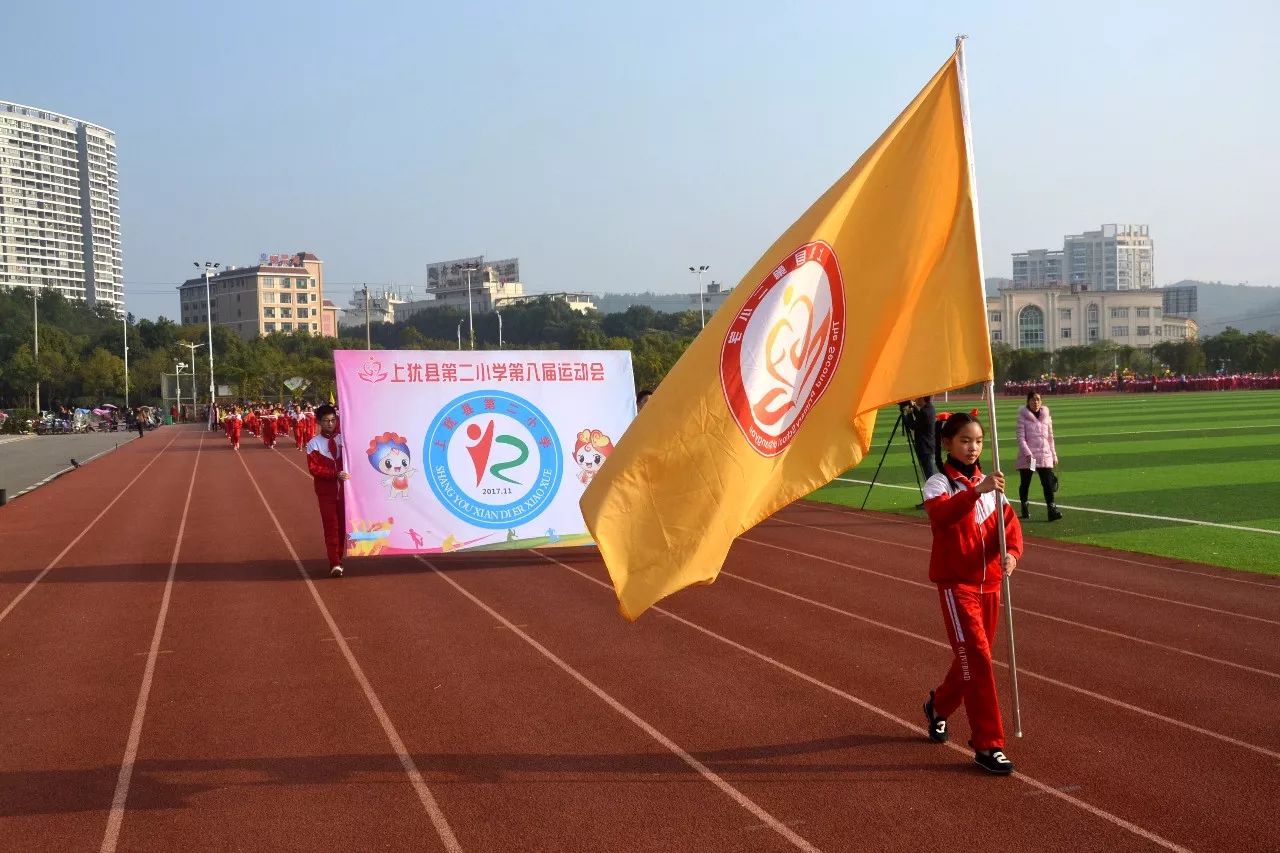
{"points": [[1036, 452], [324, 459], [964, 507], [137, 421]]}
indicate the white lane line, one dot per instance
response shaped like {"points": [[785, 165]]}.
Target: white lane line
{"points": [[1194, 521], [1020, 609], [428, 800], [887, 715], [87, 528], [702, 769], [116, 817], [1173, 721], [1058, 578], [889, 518]]}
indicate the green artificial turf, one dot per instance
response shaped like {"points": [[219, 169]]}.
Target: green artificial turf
{"points": [[1207, 456]]}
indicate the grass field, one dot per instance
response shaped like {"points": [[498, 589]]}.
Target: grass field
{"points": [[1190, 457]]}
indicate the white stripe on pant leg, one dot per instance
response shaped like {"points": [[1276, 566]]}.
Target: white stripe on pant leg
{"points": [[955, 617]]}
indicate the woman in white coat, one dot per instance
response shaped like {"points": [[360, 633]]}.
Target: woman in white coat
{"points": [[1036, 452]]}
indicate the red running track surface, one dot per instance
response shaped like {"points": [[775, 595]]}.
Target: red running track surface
{"points": [[172, 679]]}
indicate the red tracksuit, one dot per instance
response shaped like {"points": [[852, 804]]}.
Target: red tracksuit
{"points": [[269, 431], [232, 426], [324, 459], [965, 564]]}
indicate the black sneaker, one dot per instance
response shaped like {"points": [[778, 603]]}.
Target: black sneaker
{"points": [[993, 761], [937, 725]]}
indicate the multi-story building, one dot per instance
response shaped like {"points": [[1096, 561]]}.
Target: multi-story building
{"points": [[484, 285], [1037, 268], [1050, 318], [59, 205], [1115, 257], [283, 293]]}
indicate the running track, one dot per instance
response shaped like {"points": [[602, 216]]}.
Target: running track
{"points": [[172, 679]]}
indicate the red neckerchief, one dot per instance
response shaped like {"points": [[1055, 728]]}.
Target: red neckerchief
{"points": [[333, 450], [957, 477]]}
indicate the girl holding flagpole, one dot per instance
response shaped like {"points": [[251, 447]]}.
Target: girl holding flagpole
{"points": [[966, 510]]}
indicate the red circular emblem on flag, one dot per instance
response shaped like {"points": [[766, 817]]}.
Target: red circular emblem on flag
{"points": [[782, 349]]}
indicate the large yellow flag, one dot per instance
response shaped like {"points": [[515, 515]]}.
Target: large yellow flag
{"points": [[873, 296]]}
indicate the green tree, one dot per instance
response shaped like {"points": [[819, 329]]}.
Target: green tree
{"points": [[102, 373]]}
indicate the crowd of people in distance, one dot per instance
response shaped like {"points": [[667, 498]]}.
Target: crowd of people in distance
{"points": [[269, 422], [1136, 383]]}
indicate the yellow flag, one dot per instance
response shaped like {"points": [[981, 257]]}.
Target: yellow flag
{"points": [[875, 295]]}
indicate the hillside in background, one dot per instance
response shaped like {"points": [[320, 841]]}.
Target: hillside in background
{"points": [[1247, 308]]}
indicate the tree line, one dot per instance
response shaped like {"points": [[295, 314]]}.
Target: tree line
{"points": [[81, 350]]}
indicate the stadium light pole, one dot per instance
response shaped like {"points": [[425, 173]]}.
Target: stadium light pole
{"points": [[499, 313], [209, 267], [702, 307]]}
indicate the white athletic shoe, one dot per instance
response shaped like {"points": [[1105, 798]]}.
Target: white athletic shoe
{"points": [[335, 572]]}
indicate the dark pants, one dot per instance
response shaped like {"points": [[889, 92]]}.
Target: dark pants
{"points": [[1046, 483]]}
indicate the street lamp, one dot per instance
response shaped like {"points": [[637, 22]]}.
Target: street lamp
{"points": [[177, 378], [193, 348], [459, 335], [499, 313], [209, 267], [701, 304], [124, 321], [471, 328]]}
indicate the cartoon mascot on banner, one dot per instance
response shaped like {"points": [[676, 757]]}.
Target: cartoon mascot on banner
{"points": [[389, 456], [589, 451]]}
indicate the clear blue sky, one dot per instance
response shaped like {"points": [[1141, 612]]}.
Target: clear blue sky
{"points": [[610, 146]]}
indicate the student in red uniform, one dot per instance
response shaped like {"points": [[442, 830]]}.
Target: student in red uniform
{"points": [[232, 426], [282, 424], [324, 459], [964, 507], [268, 429]]}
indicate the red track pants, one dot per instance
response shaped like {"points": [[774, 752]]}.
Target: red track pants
{"points": [[329, 497], [971, 619]]}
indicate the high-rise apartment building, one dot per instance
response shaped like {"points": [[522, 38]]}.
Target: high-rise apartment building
{"points": [[283, 293], [1115, 257], [59, 205]]}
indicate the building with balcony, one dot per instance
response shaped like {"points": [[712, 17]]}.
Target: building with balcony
{"points": [[59, 206]]}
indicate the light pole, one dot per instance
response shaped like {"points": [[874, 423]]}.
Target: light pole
{"points": [[471, 327], [177, 378], [499, 313], [209, 267], [701, 304], [459, 335], [368, 339], [193, 348], [124, 321]]}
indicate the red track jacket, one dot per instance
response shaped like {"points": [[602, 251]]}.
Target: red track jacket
{"points": [[966, 547]]}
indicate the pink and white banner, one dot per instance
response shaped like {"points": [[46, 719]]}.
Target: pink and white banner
{"points": [[459, 451]]}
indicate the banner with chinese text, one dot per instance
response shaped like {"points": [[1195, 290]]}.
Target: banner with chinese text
{"points": [[459, 451]]}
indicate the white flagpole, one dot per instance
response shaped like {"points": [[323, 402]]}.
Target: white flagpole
{"points": [[990, 387]]}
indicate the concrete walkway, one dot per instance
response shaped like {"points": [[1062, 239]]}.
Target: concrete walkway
{"points": [[29, 461]]}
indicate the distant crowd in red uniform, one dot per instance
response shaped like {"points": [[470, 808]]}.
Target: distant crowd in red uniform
{"points": [[1134, 383], [270, 423]]}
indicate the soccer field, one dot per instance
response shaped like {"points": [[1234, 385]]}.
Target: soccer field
{"points": [[1207, 464]]}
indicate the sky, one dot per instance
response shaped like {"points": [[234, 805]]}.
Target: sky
{"points": [[612, 146]]}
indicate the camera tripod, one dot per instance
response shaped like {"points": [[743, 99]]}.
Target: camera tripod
{"points": [[911, 452]]}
